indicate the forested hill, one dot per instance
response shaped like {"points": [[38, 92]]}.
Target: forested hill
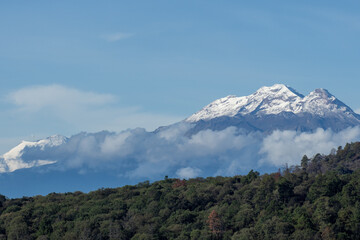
{"points": [[318, 200]]}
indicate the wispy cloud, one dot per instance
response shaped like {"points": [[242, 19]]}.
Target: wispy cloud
{"points": [[57, 97], [80, 110], [114, 37]]}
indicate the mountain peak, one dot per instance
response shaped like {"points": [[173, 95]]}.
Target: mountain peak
{"points": [[275, 87], [278, 89], [322, 93]]}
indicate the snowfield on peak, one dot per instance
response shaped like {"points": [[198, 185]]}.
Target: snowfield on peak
{"points": [[12, 160], [273, 100]]}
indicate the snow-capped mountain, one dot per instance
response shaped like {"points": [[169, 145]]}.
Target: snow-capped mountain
{"points": [[276, 107], [12, 160]]}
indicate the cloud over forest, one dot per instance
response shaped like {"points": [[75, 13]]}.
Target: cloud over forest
{"points": [[138, 153]]}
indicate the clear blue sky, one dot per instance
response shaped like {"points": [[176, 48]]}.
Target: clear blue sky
{"points": [[150, 63]]}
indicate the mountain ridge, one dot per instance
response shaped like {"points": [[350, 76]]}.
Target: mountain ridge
{"points": [[278, 107], [273, 100]]}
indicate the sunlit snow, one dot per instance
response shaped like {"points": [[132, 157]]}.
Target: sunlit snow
{"points": [[273, 100]]}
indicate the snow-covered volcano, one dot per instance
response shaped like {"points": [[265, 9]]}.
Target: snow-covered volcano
{"points": [[276, 107]]}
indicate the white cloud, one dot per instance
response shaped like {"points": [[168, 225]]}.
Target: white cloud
{"points": [[188, 172], [289, 146], [116, 144], [173, 132], [209, 141], [114, 37], [137, 153]]}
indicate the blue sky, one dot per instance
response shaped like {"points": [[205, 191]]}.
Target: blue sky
{"points": [[71, 66]]}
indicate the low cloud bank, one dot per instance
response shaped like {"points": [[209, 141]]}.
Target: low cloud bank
{"points": [[152, 155], [283, 147]]}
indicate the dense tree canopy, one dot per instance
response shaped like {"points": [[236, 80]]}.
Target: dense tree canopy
{"points": [[318, 200]]}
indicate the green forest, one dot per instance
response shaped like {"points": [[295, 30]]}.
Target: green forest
{"points": [[320, 199]]}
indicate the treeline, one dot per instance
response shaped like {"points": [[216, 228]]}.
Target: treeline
{"points": [[318, 200]]}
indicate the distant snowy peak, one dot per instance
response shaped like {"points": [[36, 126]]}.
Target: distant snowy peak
{"points": [[12, 160], [273, 100]]}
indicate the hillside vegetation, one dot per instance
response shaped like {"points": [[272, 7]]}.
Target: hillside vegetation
{"points": [[318, 200]]}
